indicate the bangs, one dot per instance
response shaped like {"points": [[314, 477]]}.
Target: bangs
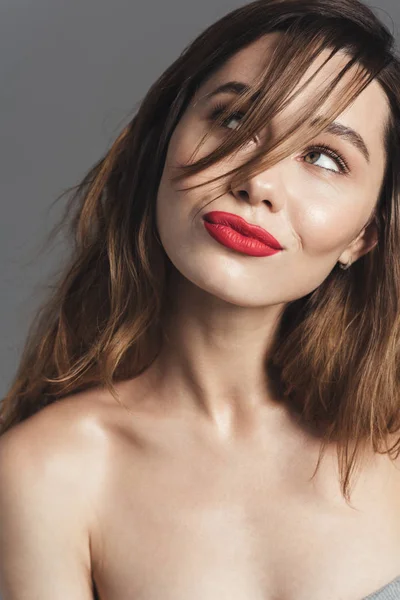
{"points": [[273, 91]]}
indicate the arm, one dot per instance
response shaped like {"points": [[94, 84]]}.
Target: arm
{"points": [[44, 540]]}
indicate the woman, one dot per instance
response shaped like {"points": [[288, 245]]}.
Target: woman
{"points": [[208, 406]]}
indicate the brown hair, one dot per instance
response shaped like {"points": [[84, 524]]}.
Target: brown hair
{"points": [[336, 352]]}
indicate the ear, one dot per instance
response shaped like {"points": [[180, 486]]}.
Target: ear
{"points": [[366, 240]]}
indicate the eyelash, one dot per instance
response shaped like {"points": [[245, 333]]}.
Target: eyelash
{"points": [[337, 157]]}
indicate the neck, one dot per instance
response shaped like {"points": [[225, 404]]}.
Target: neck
{"points": [[214, 354]]}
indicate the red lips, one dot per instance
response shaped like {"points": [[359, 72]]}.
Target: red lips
{"points": [[219, 217]]}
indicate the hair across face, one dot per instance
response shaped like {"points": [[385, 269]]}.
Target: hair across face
{"points": [[317, 201]]}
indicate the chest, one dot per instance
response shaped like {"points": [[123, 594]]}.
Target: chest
{"points": [[179, 527]]}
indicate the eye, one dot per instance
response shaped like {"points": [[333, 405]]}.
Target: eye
{"points": [[334, 157], [234, 116], [323, 150], [219, 108]]}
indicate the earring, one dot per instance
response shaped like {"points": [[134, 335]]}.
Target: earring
{"points": [[344, 267]]}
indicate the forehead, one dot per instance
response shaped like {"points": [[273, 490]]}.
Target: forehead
{"points": [[247, 64]]}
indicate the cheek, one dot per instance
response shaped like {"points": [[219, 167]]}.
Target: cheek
{"points": [[326, 227], [186, 136], [187, 145], [175, 204], [168, 196]]}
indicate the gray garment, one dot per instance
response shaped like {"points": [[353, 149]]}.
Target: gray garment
{"points": [[391, 591]]}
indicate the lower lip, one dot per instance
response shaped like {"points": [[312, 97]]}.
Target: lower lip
{"points": [[236, 241]]}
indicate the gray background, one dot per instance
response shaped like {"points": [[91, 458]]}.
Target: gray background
{"points": [[71, 74]]}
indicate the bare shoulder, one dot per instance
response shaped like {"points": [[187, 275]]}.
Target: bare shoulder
{"points": [[50, 470], [62, 431], [58, 447]]}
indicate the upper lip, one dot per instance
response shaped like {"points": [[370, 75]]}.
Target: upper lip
{"points": [[242, 226]]}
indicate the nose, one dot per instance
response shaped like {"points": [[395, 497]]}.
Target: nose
{"points": [[266, 187]]}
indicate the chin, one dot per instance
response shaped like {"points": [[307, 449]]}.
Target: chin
{"points": [[218, 284]]}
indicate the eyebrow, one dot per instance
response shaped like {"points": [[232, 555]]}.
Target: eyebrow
{"points": [[338, 129]]}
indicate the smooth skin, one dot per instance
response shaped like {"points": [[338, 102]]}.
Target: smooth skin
{"points": [[201, 487]]}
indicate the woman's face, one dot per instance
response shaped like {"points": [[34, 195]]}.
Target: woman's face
{"points": [[317, 213]]}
